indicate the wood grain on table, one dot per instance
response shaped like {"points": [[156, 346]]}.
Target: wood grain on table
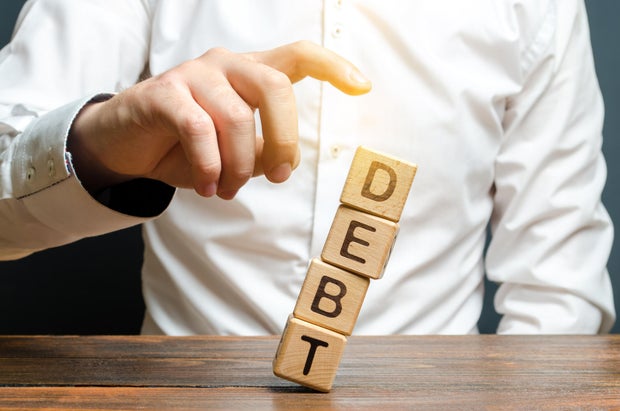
{"points": [[393, 372]]}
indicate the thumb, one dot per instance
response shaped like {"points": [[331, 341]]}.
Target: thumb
{"points": [[305, 58]]}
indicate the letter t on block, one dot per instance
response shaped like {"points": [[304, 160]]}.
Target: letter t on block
{"points": [[378, 184], [308, 354]]}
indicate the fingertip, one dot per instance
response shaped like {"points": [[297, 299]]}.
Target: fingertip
{"points": [[227, 195], [359, 77], [207, 190], [279, 173], [359, 82]]}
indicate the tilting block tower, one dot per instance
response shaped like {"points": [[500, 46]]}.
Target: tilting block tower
{"points": [[356, 250]]}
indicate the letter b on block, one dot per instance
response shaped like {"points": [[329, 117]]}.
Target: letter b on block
{"points": [[330, 297], [378, 184]]}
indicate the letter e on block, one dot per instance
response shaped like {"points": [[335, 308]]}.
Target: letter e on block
{"points": [[378, 184], [331, 297], [309, 355], [359, 242]]}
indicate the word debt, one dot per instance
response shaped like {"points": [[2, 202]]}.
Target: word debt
{"points": [[356, 250]]}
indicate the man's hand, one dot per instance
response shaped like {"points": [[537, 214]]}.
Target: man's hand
{"points": [[193, 126]]}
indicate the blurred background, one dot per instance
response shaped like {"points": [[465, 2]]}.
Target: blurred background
{"points": [[93, 286]]}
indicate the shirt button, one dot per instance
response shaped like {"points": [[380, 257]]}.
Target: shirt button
{"points": [[30, 173], [335, 151], [51, 169], [337, 31]]}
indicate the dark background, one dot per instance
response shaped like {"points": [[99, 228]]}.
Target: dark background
{"points": [[93, 286]]}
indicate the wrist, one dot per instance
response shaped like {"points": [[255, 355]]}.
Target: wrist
{"points": [[86, 148]]}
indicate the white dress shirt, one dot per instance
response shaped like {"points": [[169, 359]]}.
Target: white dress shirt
{"points": [[496, 101]]}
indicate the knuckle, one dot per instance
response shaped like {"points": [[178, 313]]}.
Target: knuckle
{"points": [[287, 145], [276, 80], [209, 169], [191, 124], [302, 46], [171, 79], [282, 149], [216, 52], [240, 115], [301, 50], [240, 174]]}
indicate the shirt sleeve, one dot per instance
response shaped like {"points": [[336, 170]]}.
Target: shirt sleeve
{"points": [[62, 54], [551, 235]]}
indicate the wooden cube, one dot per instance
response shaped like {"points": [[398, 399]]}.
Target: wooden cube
{"points": [[359, 242], [308, 354], [378, 184], [330, 297]]}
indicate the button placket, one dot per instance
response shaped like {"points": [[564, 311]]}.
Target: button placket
{"points": [[334, 150], [337, 30], [334, 146], [337, 26], [334, 24]]}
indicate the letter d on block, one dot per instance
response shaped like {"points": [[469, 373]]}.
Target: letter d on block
{"points": [[378, 184]]}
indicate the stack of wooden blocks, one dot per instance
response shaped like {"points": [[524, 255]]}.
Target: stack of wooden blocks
{"points": [[356, 250]]}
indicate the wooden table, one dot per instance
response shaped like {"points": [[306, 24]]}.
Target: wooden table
{"points": [[378, 373]]}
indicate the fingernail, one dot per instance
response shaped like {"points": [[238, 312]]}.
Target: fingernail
{"points": [[280, 173], [227, 195], [209, 190], [358, 77]]}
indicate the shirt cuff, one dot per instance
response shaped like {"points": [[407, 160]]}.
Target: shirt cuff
{"points": [[537, 310], [45, 183]]}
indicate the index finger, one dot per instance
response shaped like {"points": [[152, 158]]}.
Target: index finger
{"points": [[305, 58]]}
